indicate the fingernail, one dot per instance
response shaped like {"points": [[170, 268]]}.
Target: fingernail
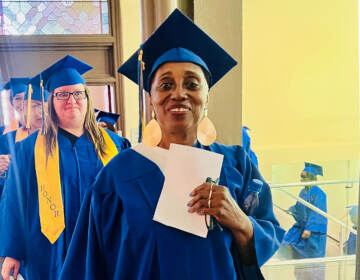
{"points": [[188, 204], [191, 194]]}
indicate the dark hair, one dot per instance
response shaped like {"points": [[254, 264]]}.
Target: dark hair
{"points": [[110, 126]]}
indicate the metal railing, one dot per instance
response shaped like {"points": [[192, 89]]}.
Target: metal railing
{"points": [[309, 205]]}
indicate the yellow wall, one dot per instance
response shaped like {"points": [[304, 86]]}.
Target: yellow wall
{"points": [[300, 96], [131, 38], [300, 89]]}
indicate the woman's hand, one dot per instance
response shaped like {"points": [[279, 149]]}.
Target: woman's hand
{"points": [[4, 163], [9, 265], [305, 234], [220, 204]]}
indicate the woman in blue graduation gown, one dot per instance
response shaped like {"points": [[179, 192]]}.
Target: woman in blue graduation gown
{"points": [[17, 87], [37, 221], [350, 244], [32, 113], [116, 236], [307, 237]]}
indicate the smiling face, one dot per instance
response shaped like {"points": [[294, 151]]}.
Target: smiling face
{"points": [[179, 94], [70, 112]]}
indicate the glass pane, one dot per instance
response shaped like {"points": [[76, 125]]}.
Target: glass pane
{"points": [[328, 252], [54, 17]]}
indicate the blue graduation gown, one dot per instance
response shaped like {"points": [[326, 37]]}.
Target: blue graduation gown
{"points": [[7, 142], [307, 219], [20, 233], [246, 145], [7, 146], [2, 128], [350, 244], [116, 237]]}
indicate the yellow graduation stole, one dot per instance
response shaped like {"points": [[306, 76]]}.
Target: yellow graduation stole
{"points": [[51, 209], [110, 147], [13, 126], [21, 134]]}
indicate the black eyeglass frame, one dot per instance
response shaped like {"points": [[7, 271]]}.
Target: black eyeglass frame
{"points": [[82, 96]]}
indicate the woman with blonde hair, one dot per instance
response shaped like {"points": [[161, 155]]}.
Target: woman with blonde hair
{"points": [[50, 174]]}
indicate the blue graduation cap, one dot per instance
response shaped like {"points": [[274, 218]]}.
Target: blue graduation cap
{"points": [[107, 117], [16, 86], [67, 71], [36, 90], [178, 39], [313, 169]]}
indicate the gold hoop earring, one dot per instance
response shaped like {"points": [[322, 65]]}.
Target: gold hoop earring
{"points": [[152, 133], [206, 132]]}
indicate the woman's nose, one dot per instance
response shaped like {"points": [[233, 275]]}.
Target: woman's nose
{"points": [[179, 93], [71, 99]]}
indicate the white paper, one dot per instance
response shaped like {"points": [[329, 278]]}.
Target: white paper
{"points": [[187, 167], [19, 277], [155, 154]]}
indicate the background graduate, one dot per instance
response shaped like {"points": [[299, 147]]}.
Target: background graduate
{"points": [[107, 120], [17, 88], [32, 121], [350, 244], [116, 236], [31, 115], [50, 174], [307, 237]]}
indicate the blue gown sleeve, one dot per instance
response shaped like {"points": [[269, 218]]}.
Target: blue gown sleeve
{"points": [[84, 250], [12, 210], [4, 144], [98, 215], [317, 222]]}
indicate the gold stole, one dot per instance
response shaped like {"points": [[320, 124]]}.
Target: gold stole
{"points": [[21, 134], [13, 126], [51, 209]]}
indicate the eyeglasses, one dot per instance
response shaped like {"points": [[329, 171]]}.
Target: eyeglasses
{"points": [[78, 95]]}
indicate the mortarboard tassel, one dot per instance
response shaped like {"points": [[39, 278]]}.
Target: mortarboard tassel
{"points": [[141, 68], [29, 107], [42, 108]]}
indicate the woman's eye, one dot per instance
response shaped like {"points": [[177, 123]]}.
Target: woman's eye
{"points": [[62, 94], [166, 86], [192, 85]]}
